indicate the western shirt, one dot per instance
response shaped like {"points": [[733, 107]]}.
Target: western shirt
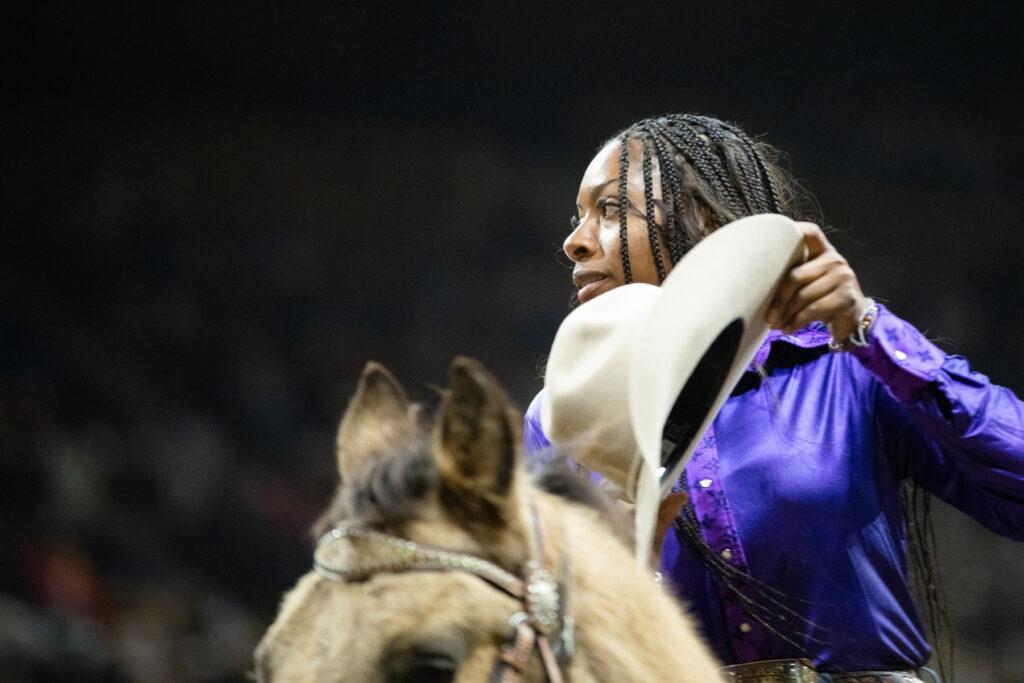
{"points": [[797, 485]]}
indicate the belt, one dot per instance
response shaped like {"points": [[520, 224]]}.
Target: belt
{"points": [[802, 671]]}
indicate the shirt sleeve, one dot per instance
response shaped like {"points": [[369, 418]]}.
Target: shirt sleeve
{"points": [[957, 434], [534, 439]]}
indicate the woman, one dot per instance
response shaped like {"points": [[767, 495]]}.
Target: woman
{"points": [[794, 543]]}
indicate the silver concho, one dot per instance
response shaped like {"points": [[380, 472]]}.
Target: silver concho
{"points": [[542, 600]]}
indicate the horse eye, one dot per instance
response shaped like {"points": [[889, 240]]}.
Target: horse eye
{"points": [[426, 667]]}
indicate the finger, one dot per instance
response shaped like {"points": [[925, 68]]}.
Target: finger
{"points": [[817, 309], [792, 282], [814, 239], [815, 288], [837, 303]]}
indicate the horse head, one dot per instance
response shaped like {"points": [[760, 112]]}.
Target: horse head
{"points": [[440, 560]]}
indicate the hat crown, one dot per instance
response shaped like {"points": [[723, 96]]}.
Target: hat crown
{"points": [[587, 379]]}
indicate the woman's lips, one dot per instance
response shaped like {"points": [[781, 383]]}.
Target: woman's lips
{"points": [[589, 285]]}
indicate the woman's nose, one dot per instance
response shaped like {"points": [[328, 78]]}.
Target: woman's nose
{"points": [[580, 245]]}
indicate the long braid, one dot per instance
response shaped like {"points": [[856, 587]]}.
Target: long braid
{"points": [[758, 598], [673, 195], [624, 210], [926, 579], [652, 227]]}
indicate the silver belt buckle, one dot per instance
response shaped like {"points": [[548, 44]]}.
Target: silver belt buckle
{"points": [[772, 671]]}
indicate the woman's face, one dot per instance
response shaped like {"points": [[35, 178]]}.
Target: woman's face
{"points": [[593, 245]]}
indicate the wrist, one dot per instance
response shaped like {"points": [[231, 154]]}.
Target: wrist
{"points": [[859, 336]]}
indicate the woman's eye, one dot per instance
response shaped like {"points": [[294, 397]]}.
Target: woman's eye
{"points": [[608, 208]]}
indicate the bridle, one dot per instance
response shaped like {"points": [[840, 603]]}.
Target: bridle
{"points": [[351, 553]]}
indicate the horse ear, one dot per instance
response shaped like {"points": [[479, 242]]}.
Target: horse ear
{"points": [[378, 419], [476, 444]]}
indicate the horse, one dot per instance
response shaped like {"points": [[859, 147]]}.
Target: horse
{"points": [[441, 560]]}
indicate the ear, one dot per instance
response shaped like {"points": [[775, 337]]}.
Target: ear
{"points": [[477, 437], [378, 419]]}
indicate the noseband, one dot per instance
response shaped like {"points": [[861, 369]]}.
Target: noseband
{"points": [[351, 553]]}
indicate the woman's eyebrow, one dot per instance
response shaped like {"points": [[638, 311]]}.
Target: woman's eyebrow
{"points": [[592, 195]]}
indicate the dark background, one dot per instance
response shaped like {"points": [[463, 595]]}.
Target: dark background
{"points": [[214, 215]]}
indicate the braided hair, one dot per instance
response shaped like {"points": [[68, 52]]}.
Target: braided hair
{"points": [[712, 173]]}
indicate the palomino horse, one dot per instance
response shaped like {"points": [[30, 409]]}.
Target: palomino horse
{"points": [[441, 561]]}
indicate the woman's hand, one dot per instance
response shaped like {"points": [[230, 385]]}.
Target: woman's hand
{"points": [[824, 287]]}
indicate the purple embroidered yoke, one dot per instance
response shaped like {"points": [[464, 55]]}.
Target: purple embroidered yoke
{"points": [[797, 483]]}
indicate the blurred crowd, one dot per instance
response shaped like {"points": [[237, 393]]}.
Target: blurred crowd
{"points": [[177, 352]]}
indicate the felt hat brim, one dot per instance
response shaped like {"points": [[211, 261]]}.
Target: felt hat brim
{"points": [[696, 341], [635, 376]]}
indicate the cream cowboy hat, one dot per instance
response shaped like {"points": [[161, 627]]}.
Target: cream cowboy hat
{"points": [[635, 376]]}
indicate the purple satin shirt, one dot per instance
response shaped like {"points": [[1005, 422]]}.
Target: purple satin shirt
{"points": [[798, 482]]}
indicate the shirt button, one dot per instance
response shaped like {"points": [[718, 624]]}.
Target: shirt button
{"points": [[704, 483], [900, 355], [727, 554], [745, 627]]}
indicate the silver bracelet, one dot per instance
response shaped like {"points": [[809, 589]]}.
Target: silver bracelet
{"points": [[858, 337]]}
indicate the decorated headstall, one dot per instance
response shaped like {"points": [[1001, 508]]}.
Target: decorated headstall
{"points": [[350, 554]]}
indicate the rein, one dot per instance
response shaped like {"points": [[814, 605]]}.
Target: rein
{"points": [[350, 553]]}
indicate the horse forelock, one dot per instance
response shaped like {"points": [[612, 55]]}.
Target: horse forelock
{"points": [[390, 490], [387, 491]]}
